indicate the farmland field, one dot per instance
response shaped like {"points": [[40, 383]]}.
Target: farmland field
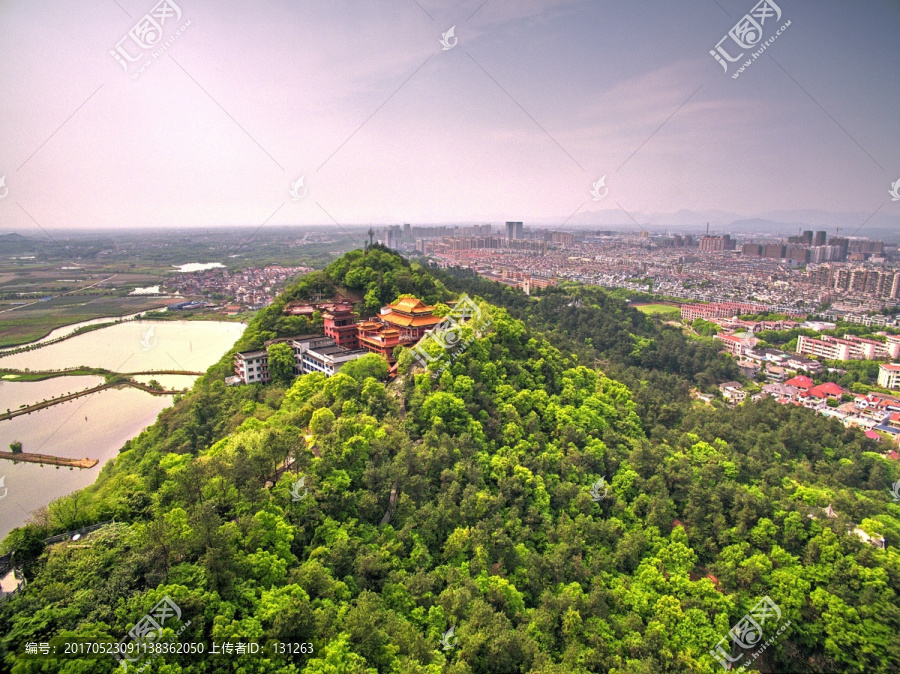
{"points": [[34, 322]]}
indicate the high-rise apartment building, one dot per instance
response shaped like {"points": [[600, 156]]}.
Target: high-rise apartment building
{"points": [[821, 276], [515, 230], [797, 253], [843, 244], [751, 249], [717, 243]]}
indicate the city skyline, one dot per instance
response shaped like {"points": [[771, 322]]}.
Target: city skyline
{"points": [[387, 117]]}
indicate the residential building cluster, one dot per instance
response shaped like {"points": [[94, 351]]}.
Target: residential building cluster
{"points": [[859, 277], [448, 241], [871, 412], [809, 248], [862, 281], [691, 312], [788, 376], [249, 289], [449, 246], [737, 338]]}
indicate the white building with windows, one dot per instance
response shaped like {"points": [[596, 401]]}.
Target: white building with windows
{"points": [[889, 375], [322, 354], [312, 353], [251, 367], [850, 347]]}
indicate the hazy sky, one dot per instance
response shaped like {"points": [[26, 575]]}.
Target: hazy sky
{"points": [[535, 102]]}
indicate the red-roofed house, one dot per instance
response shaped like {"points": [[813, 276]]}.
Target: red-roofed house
{"points": [[733, 345], [875, 406], [827, 390], [800, 382], [894, 420], [872, 435]]}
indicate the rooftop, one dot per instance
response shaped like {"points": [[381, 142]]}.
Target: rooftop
{"points": [[826, 389], [411, 305], [251, 354], [800, 382]]}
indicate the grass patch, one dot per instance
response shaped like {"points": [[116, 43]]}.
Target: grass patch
{"points": [[659, 310]]}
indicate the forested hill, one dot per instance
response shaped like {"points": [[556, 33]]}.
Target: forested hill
{"points": [[454, 520], [657, 362]]}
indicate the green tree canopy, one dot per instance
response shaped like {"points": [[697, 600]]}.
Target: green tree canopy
{"points": [[281, 362], [370, 365]]}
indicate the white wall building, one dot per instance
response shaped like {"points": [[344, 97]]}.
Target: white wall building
{"points": [[889, 375], [312, 353]]}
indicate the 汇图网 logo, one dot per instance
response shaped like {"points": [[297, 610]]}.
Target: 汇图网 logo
{"points": [[298, 189], [448, 640], [449, 39], [148, 630], [298, 489], [148, 339], [747, 34], [598, 186], [448, 333], [894, 191], [599, 490], [747, 633], [146, 34]]}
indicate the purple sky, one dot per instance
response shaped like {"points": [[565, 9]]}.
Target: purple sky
{"points": [[537, 100]]}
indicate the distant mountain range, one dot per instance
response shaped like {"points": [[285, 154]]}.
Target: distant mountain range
{"points": [[12, 244]]}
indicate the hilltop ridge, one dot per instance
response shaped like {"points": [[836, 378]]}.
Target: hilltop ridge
{"points": [[545, 499]]}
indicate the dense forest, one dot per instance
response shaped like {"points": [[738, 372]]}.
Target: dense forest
{"points": [[656, 361], [547, 500]]}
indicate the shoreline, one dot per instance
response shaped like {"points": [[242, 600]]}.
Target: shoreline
{"points": [[83, 329], [160, 314]]}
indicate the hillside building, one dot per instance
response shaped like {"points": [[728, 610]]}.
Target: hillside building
{"points": [[340, 325], [889, 375], [849, 348], [312, 353]]}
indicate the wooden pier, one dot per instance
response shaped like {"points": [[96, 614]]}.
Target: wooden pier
{"points": [[50, 460], [28, 409]]}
